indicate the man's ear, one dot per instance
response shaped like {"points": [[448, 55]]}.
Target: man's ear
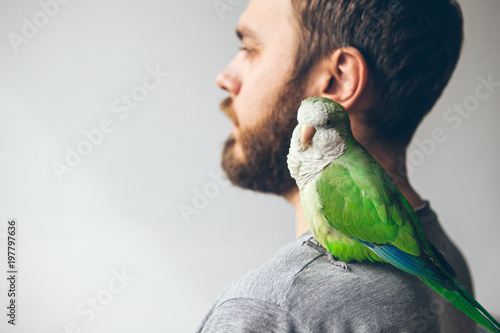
{"points": [[345, 76]]}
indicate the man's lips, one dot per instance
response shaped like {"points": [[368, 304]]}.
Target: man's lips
{"points": [[235, 131]]}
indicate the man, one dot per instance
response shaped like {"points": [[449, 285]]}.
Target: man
{"points": [[386, 62]]}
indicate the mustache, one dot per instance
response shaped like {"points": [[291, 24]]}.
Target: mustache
{"points": [[227, 108]]}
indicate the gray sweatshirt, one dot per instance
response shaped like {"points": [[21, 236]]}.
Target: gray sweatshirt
{"points": [[299, 290]]}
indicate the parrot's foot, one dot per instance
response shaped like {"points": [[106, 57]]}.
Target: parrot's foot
{"points": [[330, 256], [315, 245], [336, 262]]}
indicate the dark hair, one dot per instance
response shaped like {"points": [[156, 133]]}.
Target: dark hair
{"points": [[411, 48]]}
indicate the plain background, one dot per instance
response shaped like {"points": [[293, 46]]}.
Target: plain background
{"points": [[119, 210]]}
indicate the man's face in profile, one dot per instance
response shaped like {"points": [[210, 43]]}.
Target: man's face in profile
{"points": [[263, 101]]}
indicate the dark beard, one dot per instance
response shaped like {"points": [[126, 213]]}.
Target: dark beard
{"points": [[265, 147]]}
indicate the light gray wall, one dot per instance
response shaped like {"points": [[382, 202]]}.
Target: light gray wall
{"points": [[119, 208]]}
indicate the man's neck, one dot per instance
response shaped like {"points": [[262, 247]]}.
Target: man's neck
{"points": [[393, 161], [301, 226]]}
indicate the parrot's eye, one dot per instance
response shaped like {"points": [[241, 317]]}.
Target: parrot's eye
{"points": [[329, 123]]}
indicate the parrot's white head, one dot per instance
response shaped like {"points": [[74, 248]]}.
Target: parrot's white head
{"points": [[319, 137], [323, 127]]}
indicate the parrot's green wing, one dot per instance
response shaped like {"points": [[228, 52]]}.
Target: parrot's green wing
{"points": [[361, 201]]}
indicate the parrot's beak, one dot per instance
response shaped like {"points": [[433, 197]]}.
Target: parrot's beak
{"points": [[306, 134]]}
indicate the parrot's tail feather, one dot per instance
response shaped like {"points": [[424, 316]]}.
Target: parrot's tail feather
{"points": [[441, 281], [410, 264], [467, 304], [444, 263]]}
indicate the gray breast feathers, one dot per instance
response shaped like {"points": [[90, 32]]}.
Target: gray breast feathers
{"points": [[305, 163], [304, 169]]}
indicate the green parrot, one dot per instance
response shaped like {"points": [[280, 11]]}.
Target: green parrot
{"points": [[355, 210]]}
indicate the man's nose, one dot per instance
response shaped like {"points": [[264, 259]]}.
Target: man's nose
{"points": [[229, 81]]}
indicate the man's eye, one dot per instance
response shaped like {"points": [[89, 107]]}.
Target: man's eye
{"points": [[246, 49]]}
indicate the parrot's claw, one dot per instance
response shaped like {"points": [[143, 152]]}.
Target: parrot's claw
{"points": [[336, 262], [309, 242], [315, 245], [330, 256]]}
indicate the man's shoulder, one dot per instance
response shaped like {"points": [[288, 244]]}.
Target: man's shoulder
{"points": [[300, 283], [272, 280], [295, 267]]}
